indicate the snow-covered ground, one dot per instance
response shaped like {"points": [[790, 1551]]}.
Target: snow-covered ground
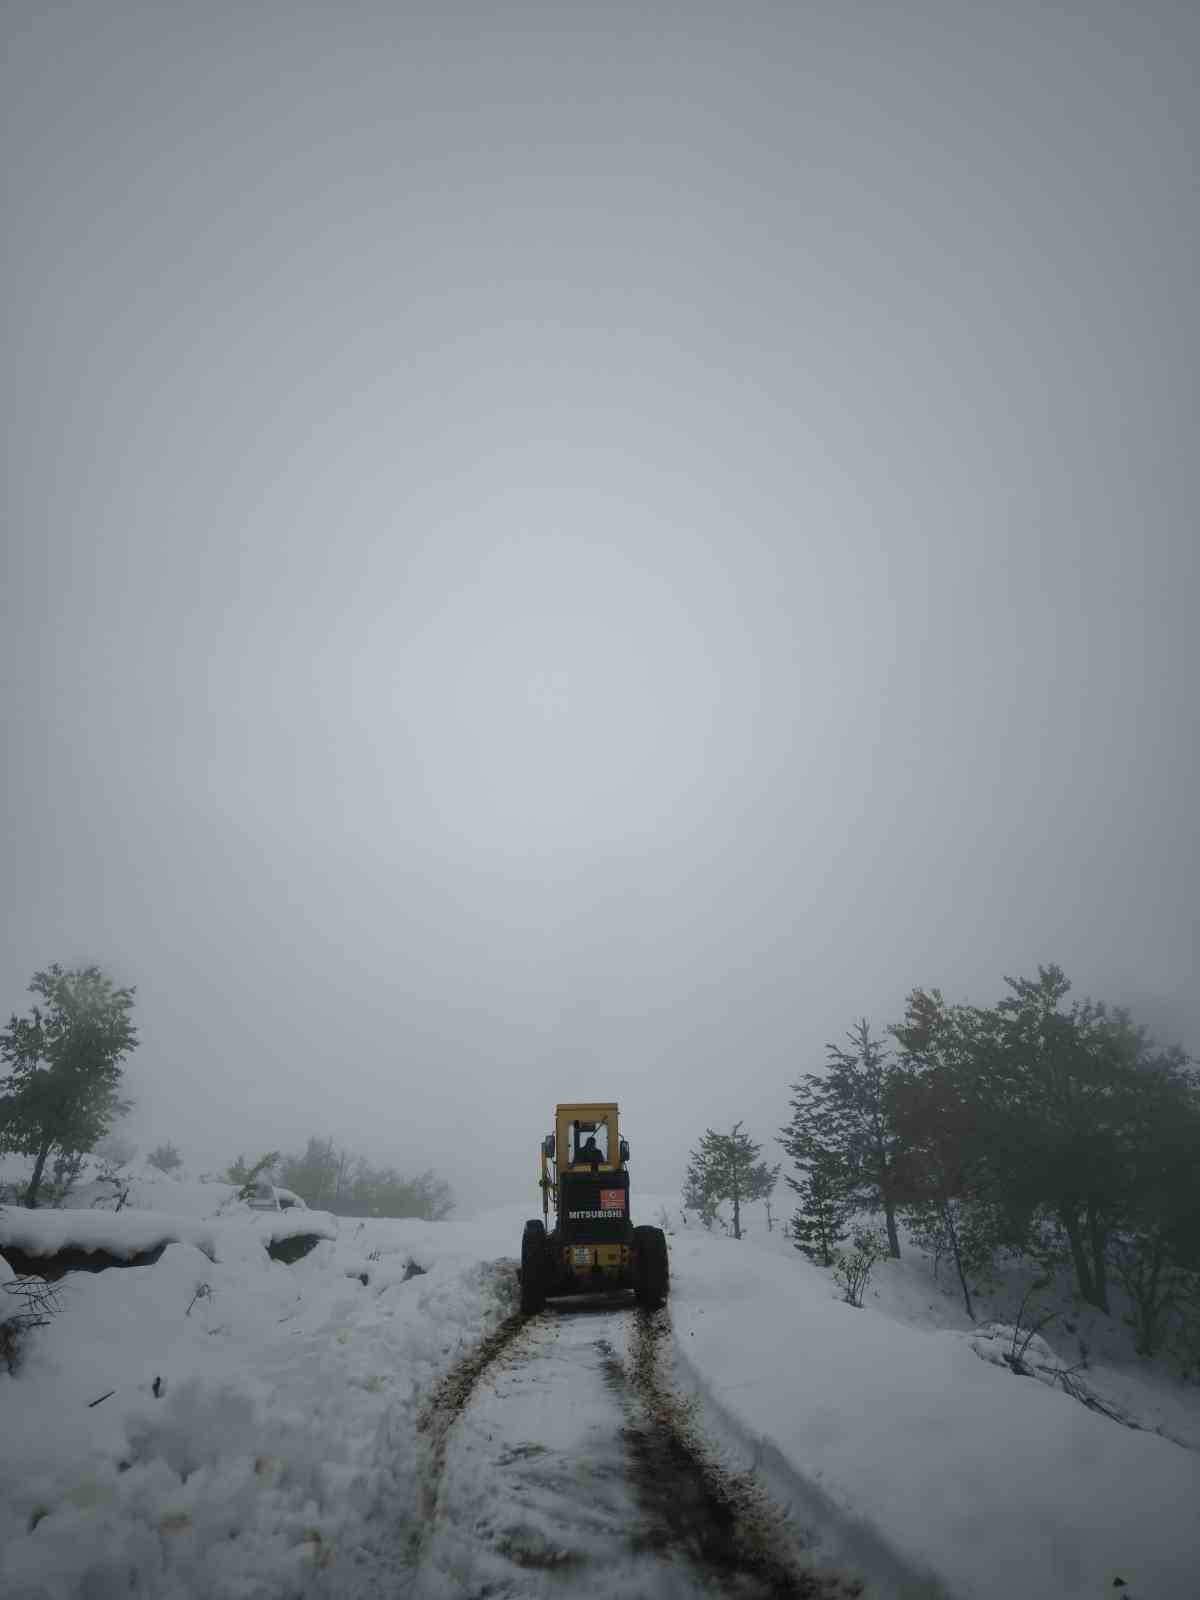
{"points": [[259, 1423], [898, 1441], [260, 1428]]}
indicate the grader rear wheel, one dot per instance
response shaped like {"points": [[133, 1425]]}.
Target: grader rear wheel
{"points": [[651, 1272], [533, 1268]]}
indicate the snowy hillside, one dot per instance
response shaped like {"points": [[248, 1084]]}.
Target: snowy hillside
{"points": [[900, 1442], [223, 1424]]}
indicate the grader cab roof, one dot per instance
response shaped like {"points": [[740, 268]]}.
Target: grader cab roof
{"points": [[586, 1139], [583, 1118]]}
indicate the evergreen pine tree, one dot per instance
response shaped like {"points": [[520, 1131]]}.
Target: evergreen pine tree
{"points": [[844, 1114], [818, 1223], [1057, 1086], [726, 1167]]}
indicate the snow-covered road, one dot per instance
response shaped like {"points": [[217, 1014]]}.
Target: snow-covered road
{"points": [[564, 1471], [373, 1421]]}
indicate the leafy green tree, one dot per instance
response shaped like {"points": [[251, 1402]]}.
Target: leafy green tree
{"points": [[725, 1166], [1040, 1113], [1057, 1088], [941, 1177], [844, 1112], [935, 1175], [1154, 1245], [62, 1092], [1052, 1097]]}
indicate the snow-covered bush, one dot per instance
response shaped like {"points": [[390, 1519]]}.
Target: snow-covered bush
{"points": [[165, 1157], [852, 1268], [25, 1304]]}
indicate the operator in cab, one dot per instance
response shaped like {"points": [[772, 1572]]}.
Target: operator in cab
{"points": [[589, 1153]]}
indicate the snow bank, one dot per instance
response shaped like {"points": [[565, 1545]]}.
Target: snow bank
{"points": [[902, 1439], [143, 1186], [125, 1234], [232, 1427]]}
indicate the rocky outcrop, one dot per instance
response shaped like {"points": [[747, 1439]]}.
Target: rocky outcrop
{"points": [[293, 1247]]}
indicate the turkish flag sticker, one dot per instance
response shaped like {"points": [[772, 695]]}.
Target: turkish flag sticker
{"points": [[612, 1199]]}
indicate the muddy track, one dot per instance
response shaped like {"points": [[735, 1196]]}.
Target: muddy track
{"points": [[684, 1512], [450, 1396], [721, 1520]]}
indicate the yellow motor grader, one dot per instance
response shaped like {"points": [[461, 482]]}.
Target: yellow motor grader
{"points": [[593, 1246]]}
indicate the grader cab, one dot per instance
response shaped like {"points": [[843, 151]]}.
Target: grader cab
{"points": [[592, 1246]]}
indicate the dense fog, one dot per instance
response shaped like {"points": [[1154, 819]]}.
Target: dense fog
{"points": [[558, 552]]}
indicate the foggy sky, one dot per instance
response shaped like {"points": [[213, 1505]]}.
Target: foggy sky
{"points": [[571, 551]]}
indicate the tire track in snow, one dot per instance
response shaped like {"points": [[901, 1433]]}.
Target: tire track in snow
{"points": [[721, 1518], [450, 1395], [561, 1464]]}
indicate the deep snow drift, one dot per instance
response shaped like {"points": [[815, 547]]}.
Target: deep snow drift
{"points": [[258, 1432]]}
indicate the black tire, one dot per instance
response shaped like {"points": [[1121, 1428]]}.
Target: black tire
{"points": [[533, 1268], [651, 1268]]}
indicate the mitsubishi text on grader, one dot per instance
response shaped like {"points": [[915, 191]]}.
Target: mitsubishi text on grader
{"points": [[593, 1247]]}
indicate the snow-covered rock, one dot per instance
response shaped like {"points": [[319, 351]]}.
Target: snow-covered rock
{"points": [[1002, 1343], [125, 1234]]}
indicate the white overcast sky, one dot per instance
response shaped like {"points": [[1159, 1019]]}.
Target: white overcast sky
{"points": [[569, 551]]}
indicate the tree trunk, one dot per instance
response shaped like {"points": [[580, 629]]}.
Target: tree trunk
{"points": [[1083, 1272], [35, 1182], [825, 1233], [889, 1211], [1098, 1236], [1145, 1298], [952, 1231], [884, 1180], [733, 1179]]}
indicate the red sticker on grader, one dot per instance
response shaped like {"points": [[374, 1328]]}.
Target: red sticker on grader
{"points": [[612, 1199]]}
